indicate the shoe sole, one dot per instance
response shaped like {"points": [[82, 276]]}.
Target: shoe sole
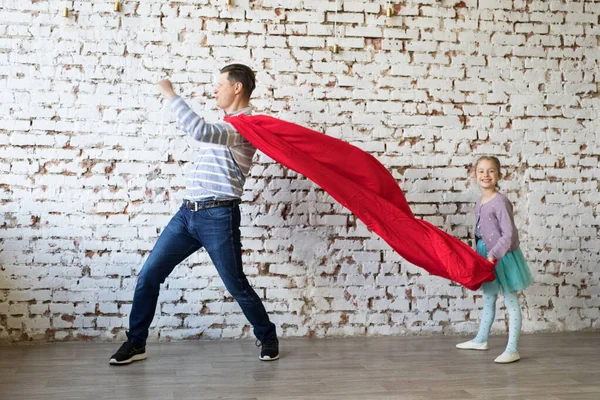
{"points": [[474, 348], [137, 357], [506, 362], [482, 348], [267, 358]]}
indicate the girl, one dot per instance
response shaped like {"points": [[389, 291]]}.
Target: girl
{"points": [[497, 240]]}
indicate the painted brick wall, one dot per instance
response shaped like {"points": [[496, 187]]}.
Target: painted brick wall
{"points": [[92, 165]]}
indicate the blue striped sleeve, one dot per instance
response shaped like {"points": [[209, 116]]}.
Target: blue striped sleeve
{"points": [[195, 126]]}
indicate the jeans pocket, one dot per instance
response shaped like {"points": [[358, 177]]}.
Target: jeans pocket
{"points": [[218, 212]]}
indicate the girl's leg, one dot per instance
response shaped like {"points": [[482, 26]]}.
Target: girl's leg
{"points": [[487, 318], [511, 301]]}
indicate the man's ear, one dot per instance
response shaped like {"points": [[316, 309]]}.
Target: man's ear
{"points": [[239, 87]]}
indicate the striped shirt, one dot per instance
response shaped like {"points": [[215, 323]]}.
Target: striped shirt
{"points": [[225, 156]]}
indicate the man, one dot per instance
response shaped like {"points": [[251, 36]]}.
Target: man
{"points": [[209, 216]]}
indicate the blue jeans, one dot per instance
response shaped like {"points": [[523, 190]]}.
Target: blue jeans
{"points": [[218, 231]]}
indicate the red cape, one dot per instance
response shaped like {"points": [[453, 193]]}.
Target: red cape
{"points": [[363, 185]]}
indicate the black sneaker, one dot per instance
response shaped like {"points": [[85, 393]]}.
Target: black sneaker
{"points": [[128, 353], [269, 349]]}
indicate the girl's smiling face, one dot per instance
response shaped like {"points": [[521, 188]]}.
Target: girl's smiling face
{"points": [[487, 174]]}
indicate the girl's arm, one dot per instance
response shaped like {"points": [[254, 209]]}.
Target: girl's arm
{"points": [[504, 215]]}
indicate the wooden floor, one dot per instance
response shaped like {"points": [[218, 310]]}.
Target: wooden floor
{"points": [[553, 366]]}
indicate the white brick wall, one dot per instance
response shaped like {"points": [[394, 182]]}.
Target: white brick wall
{"points": [[92, 165]]}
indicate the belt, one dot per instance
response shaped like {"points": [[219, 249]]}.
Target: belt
{"points": [[204, 204]]}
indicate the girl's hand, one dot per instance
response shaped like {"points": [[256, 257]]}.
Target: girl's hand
{"points": [[492, 260]]}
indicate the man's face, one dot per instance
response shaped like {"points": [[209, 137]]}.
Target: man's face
{"points": [[226, 91]]}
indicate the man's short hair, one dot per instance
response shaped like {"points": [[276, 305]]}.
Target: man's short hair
{"points": [[243, 74]]}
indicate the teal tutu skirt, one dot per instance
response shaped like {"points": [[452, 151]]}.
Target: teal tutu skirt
{"points": [[512, 272]]}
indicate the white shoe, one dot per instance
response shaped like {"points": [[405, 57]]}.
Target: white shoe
{"points": [[506, 358], [471, 345]]}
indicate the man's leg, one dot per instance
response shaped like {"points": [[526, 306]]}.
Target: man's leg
{"points": [[173, 246], [219, 230]]}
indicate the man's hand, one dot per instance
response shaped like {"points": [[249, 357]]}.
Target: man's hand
{"points": [[492, 260], [166, 89]]}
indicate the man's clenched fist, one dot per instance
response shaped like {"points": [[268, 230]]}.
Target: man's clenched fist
{"points": [[166, 89]]}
